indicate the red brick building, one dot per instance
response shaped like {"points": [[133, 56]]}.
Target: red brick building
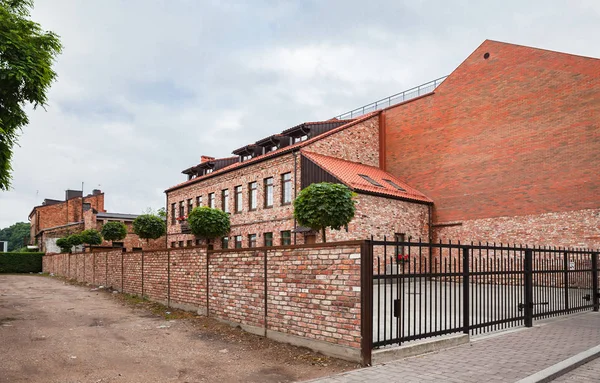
{"points": [[54, 219], [258, 185], [507, 148]]}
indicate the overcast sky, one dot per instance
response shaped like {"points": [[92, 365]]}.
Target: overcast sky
{"points": [[147, 87]]}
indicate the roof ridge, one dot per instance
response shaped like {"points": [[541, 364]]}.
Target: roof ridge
{"points": [[277, 152]]}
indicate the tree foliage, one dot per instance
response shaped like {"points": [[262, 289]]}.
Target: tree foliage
{"points": [[91, 237], [27, 53], [114, 231], [149, 226], [15, 234], [208, 223], [324, 205], [66, 243]]}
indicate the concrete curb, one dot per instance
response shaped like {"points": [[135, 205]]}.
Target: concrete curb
{"points": [[561, 368]]}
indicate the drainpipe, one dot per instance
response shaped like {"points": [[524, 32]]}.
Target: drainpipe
{"points": [[429, 213], [166, 220]]}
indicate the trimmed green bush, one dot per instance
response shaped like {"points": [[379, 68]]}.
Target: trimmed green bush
{"points": [[21, 262]]}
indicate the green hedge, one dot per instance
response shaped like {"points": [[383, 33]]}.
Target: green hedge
{"points": [[21, 262]]}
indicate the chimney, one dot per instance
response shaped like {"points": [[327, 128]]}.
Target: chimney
{"points": [[204, 159], [96, 192]]}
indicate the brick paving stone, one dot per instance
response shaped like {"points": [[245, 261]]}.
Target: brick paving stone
{"points": [[500, 358], [589, 372]]}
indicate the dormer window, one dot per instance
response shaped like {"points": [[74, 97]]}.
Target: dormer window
{"points": [[246, 157], [300, 139], [207, 171]]}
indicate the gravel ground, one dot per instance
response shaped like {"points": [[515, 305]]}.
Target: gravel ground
{"points": [[54, 331]]}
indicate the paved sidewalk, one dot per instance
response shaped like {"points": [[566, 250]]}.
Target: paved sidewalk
{"points": [[589, 372], [498, 358]]}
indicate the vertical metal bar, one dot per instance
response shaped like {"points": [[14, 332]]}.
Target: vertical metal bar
{"points": [[466, 302], [385, 283], [528, 268], [378, 323], [595, 293], [420, 288], [366, 318]]}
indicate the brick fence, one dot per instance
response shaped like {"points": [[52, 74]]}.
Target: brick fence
{"points": [[306, 295]]}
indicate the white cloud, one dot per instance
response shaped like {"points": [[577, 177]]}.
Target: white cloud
{"points": [[146, 87]]}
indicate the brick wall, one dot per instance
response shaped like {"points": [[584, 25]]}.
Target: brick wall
{"points": [[565, 229], [512, 135], [312, 293], [358, 143]]}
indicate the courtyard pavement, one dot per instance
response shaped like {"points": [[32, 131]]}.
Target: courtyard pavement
{"points": [[500, 357]]}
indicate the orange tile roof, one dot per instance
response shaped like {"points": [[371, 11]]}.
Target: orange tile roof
{"points": [[349, 173], [274, 153]]}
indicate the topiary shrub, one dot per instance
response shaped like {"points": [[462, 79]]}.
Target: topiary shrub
{"points": [[208, 223], [91, 237], [149, 226], [114, 231], [324, 205]]}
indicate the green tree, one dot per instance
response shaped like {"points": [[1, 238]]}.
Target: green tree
{"points": [[66, 243], [160, 212], [149, 226], [207, 223], [15, 234], [324, 205], [91, 237], [114, 231], [27, 53]]}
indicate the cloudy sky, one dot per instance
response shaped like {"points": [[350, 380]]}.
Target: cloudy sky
{"points": [[147, 87]]}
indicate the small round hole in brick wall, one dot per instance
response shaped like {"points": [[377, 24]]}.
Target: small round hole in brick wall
{"points": [[486, 55]]}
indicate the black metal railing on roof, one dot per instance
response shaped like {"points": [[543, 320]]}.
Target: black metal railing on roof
{"points": [[394, 99]]}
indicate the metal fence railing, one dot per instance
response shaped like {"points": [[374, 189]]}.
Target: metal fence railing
{"points": [[422, 290], [393, 99]]}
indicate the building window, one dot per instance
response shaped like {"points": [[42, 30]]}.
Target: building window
{"points": [[400, 237], [286, 237], [251, 240], [238, 199], [225, 243], [371, 180], [117, 244], [189, 243], [181, 209], [208, 171], [246, 157], [211, 200], [198, 242], [136, 249], [180, 243], [268, 239], [269, 192], [300, 139], [199, 200], [252, 191], [172, 244], [190, 205], [173, 213], [286, 188], [393, 184], [225, 200], [238, 241]]}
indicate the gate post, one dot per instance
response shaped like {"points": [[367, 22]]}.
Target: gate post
{"points": [[595, 293], [466, 300], [528, 268], [366, 301]]}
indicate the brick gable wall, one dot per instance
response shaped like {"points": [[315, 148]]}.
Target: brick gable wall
{"points": [[512, 135]]}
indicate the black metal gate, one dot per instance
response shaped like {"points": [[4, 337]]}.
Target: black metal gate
{"points": [[419, 290]]}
